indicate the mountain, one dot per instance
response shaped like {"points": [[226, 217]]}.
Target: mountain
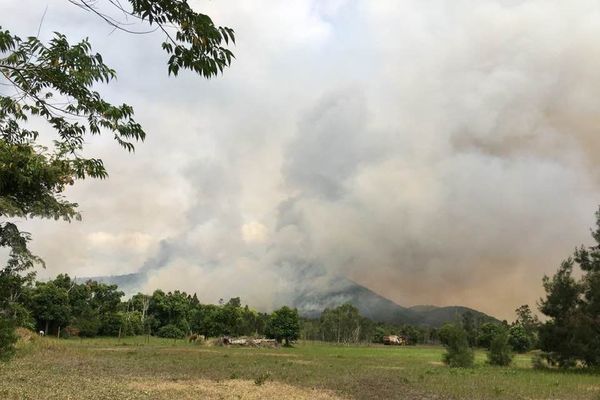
{"points": [[128, 283], [378, 308], [311, 302]]}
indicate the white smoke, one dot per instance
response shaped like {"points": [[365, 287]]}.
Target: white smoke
{"points": [[437, 152]]}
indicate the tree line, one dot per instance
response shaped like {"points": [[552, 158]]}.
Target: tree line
{"points": [[569, 337], [65, 307]]}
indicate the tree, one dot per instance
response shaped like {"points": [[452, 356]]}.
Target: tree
{"points": [[344, 324], [500, 351], [51, 306], [487, 332], [572, 332], [524, 331], [54, 82], [458, 353], [284, 324], [519, 339], [471, 326], [8, 338]]}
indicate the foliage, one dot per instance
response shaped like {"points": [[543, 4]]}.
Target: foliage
{"points": [[284, 325], [53, 85], [519, 339], [572, 332], [171, 331], [344, 324], [500, 351], [445, 332], [50, 305], [524, 331], [487, 332], [458, 353], [471, 326], [8, 338]]}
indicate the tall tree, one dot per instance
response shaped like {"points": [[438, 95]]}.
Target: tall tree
{"points": [[51, 306], [572, 332], [284, 325], [55, 83]]}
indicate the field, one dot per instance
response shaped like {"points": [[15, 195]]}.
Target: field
{"points": [[163, 369]]}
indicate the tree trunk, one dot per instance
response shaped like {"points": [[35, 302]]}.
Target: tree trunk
{"points": [[46, 330]]}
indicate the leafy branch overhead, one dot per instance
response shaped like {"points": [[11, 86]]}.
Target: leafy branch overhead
{"points": [[192, 39]]}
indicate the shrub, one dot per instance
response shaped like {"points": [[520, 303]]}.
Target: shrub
{"points": [[110, 324], [262, 378], [539, 361], [171, 331], [487, 332], [458, 353], [500, 351], [88, 327], [69, 331], [519, 339], [8, 338]]}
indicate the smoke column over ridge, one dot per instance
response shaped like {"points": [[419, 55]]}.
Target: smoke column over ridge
{"points": [[436, 152]]}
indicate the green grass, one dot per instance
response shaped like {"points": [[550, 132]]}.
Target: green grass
{"points": [[105, 368]]}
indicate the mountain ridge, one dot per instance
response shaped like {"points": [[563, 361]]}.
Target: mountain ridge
{"points": [[311, 302]]}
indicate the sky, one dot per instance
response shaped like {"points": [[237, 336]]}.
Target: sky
{"points": [[437, 152]]}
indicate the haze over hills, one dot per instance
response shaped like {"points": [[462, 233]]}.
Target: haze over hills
{"points": [[312, 302], [379, 308]]}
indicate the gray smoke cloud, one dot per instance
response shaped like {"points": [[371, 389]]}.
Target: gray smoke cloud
{"points": [[436, 152]]}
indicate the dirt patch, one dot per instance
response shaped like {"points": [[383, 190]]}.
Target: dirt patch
{"points": [[387, 367], [302, 362], [111, 348], [436, 363], [189, 350], [278, 354], [229, 389]]}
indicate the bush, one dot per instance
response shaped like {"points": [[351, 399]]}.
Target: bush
{"points": [[458, 353], [500, 351], [110, 324], [519, 339], [69, 331], [8, 338], [487, 332], [539, 361], [132, 324], [171, 331], [87, 327]]}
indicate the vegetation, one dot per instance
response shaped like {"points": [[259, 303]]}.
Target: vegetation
{"points": [[458, 353], [8, 339], [500, 351], [572, 333], [55, 83], [284, 325], [134, 368]]}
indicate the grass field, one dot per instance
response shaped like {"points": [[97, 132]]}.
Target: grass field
{"points": [[131, 369]]}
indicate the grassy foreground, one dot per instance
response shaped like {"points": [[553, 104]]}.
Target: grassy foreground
{"points": [[162, 369]]}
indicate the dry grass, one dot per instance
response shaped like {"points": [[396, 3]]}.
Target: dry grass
{"points": [[228, 389], [163, 369]]}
